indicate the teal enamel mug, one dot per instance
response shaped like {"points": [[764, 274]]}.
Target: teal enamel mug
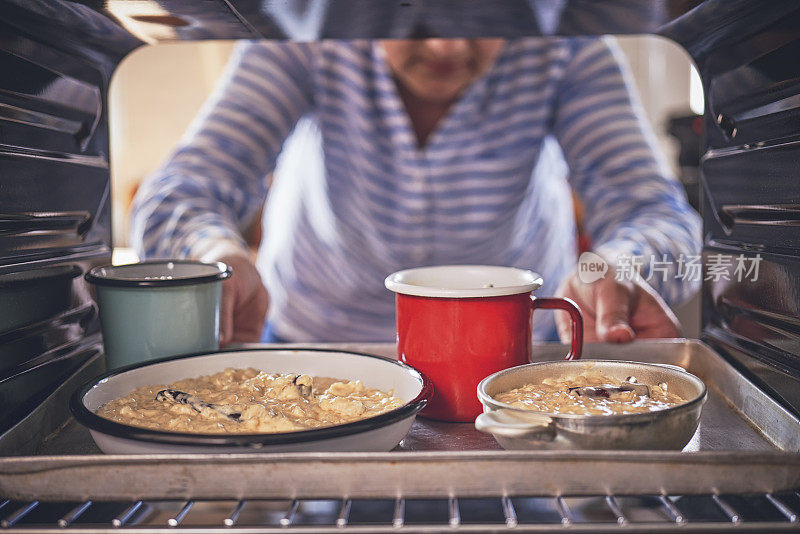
{"points": [[154, 309]]}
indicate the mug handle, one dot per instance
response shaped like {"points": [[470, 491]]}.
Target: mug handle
{"points": [[554, 303]]}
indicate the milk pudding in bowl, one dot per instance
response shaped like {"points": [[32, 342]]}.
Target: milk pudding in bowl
{"points": [[591, 404], [247, 401], [253, 400], [590, 393]]}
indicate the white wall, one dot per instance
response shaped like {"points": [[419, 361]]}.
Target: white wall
{"points": [[154, 94]]}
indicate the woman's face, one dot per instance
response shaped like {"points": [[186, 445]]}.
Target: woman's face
{"points": [[437, 70]]}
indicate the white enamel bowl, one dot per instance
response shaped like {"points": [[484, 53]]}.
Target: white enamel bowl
{"points": [[379, 433]]}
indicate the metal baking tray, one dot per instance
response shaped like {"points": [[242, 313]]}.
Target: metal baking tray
{"points": [[746, 442]]}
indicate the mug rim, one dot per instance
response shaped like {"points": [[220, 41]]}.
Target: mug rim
{"points": [[222, 272], [399, 282]]}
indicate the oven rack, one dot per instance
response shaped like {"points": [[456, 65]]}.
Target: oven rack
{"points": [[740, 472], [601, 513]]}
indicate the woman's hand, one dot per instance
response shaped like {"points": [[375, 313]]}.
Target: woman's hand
{"points": [[617, 311], [244, 302]]}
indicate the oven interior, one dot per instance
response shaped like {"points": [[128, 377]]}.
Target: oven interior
{"points": [[59, 56]]}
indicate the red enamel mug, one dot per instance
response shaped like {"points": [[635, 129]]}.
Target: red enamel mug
{"points": [[461, 323]]}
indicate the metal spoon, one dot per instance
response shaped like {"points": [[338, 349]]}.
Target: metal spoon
{"points": [[606, 391], [197, 404], [305, 384]]}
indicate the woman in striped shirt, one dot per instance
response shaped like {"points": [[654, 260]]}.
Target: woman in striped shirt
{"points": [[387, 155]]}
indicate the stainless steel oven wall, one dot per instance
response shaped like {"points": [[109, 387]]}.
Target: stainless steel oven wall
{"points": [[751, 188], [56, 59], [58, 56]]}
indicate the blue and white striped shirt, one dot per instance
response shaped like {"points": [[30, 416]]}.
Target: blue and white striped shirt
{"points": [[354, 198]]}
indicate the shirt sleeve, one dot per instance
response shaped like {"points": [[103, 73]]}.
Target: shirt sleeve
{"points": [[636, 211], [215, 183]]}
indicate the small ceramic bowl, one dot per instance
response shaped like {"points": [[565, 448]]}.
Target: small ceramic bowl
{"points": [[379, 433], [158, 308]]}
